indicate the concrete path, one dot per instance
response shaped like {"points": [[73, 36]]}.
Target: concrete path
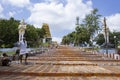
{"points": [[64, 63]]}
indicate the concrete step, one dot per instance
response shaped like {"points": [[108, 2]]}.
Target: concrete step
{"points": [[58, 74]]}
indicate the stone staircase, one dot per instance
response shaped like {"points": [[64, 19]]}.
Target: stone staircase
{"points": [[64, 63]]}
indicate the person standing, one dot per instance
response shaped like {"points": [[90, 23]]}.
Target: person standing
{"points": [[23, 50]]}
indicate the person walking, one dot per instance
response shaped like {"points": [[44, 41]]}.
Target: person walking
{"points": [[23, 50]]}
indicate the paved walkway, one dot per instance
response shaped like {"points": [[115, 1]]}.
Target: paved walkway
{"points": [[64, 63]]}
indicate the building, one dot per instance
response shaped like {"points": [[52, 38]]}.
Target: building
{"points": [[47, 37]]}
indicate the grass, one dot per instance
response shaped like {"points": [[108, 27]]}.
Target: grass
{"points": [[9, 53]]}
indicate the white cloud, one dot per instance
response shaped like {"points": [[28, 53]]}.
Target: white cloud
{"points": [[17, 3], [11, 14], [1, 11], [58, 39], [60, 17], [1, 8], [113, 22], [55, 1]]}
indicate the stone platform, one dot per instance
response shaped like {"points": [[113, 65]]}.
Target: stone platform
{"points": [[64, 63]]}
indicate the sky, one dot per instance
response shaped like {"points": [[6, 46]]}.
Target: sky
{"points": [[60, 15]]}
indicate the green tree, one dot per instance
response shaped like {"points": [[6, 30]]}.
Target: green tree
{"points": [[82, 35], [31, 35], [92, 23], [9, 33], [89, 27], [41, 34], [85, 31], [65, 40], [100, 39]]}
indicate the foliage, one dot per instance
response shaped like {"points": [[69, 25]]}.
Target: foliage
{"points": [[45, 26], [85, 31], [92, 22], [45, 44], [100, 38], [9, 33], [65, 40]]}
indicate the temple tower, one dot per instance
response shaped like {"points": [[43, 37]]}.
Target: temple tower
{"points": [[47, 37]]}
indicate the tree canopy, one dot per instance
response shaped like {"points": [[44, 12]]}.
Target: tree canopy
{"points": [[9, 33], [87, 32]]}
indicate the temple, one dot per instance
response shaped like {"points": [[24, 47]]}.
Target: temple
{"points": [[47, 36]]}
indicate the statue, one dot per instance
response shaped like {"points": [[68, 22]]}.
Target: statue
{"points": [[106, 32], [106, 44], [22, 42], [21, 28]]}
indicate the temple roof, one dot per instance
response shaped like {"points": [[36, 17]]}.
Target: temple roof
{"points": [[45, 26]]}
